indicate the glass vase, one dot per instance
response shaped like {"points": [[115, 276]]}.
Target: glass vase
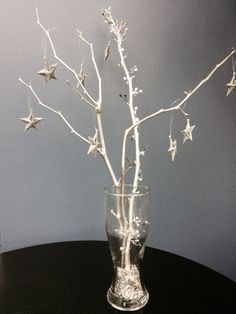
{"points": [[127, 225]]}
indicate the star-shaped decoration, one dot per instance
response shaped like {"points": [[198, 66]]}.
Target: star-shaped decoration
{"points": [[187, 132], [107, 51], [231, 86], [48, 71], [94, 144], [173, 148], [31, 121]]}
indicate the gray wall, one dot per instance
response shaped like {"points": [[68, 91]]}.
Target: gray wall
{"points": [[51, 191]]}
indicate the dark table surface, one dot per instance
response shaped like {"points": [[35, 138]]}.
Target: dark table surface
{"points": [[73, 278]]}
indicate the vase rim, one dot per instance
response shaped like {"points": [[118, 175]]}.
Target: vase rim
{"points": [[142, 190]]}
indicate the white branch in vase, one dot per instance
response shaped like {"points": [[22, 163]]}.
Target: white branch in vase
{"points": [[174, 108]]}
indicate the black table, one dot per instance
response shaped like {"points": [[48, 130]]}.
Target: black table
{"points": [[73, 277]]}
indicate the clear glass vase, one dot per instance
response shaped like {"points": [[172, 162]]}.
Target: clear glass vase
{"points": [[127, 225]]}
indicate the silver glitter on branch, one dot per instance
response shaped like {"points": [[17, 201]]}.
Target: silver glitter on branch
{"points": [[128, 285]]}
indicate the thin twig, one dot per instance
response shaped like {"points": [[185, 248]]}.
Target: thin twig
{"points": [[99, 102], [81, 96]]}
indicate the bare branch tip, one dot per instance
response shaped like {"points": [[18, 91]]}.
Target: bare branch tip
{"points": [[37, 14], [23, 82], [80, 32]]}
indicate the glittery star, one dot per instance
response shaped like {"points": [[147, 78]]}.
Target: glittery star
{"points": [[231, 85], [173, 148], [187, 132], [48, 71], [31, 121], [107, 51], [94, 144]]}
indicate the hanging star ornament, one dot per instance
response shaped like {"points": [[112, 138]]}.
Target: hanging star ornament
{"points": [[31, 121], [231, 86], [187, 132], [94, 144], [107, 51], [48, 71], [173, 148]]}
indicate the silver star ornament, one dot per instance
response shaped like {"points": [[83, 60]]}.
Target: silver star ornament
{"points": [[173, 148], [31, 121], [48, 71], [94, 144], [187, 132]]}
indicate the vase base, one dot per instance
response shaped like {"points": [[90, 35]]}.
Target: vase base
{"points": [[126, 305]]}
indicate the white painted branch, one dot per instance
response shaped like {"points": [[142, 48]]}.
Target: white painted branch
{"points": [[177, 107], [207, 77], [120, 32], [133, 118], [103, 149], [96, 104], [98, 112], [81, 96]]}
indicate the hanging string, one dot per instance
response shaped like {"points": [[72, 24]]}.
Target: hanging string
{"points": [[44, 44], [171, 123], [172, 116], [29, 104]]}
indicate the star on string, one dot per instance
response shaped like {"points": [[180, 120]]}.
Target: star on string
{"points": [[187, 132], [94, 144], [231, 85], [173, 148], [31, 121], [48, 71], [107, 51]]}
